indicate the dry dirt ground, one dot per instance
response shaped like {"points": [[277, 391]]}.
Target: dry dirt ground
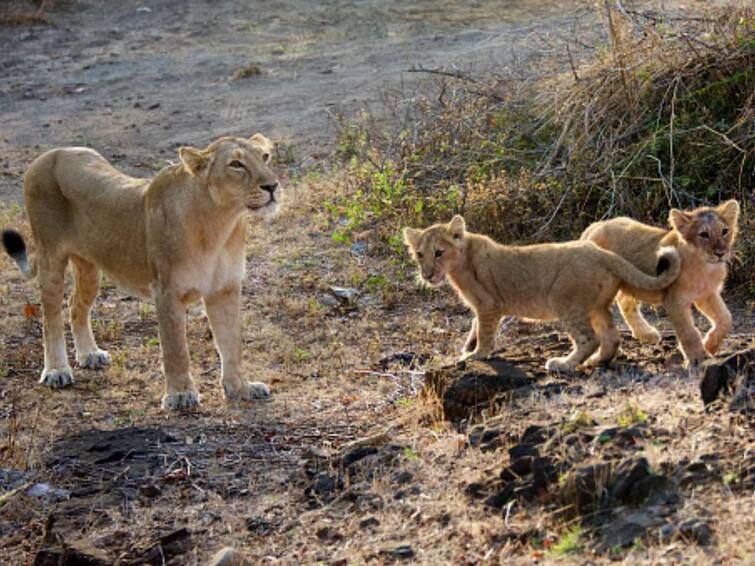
{"points": [[350, 462]]}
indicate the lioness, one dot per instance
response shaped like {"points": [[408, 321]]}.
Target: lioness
{"points": [[575, 282], [176, 238], [703, 239]]}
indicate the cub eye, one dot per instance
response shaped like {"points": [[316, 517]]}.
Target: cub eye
{"points": [[704, 235], [724, 232], [266, 157], [236, 164], [419, 255], [438, 253]]}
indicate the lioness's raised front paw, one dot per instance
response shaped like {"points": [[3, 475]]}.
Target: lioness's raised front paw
{"points": [[57, 378], [560, 364], [99, 359], [246, 391], [180, 400]]}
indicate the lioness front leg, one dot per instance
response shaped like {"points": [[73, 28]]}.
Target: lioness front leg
{"points": [[716, 311], [486, 325], [223, 310], [180, 391], [690, 341]]}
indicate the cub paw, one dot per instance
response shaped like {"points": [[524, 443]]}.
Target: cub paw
{"points": [[180, 400], [559, 364], [648, 336], [57, 378], [712, 343], [99, 359], [247, 392], [466, 356]]}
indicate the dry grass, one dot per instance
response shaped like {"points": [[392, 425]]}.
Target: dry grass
{"points": [[20, 15]]}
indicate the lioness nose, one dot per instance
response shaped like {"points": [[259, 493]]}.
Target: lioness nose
{"points": [[270, 188]]}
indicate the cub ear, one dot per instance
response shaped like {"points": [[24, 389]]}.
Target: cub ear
{"points": [[729, 211], [266, 145], [457, 226], [192, 158], [679, 219], [412, 237]]}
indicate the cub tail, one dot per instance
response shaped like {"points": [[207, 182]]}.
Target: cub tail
{"points": [[14, 245], [668, 266]]}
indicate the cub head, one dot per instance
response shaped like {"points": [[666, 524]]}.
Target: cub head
{"points": [[236, 171], [709, 229], [437, 249]]}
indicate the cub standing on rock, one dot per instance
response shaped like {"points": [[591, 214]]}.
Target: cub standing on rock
{"points": [[176, 238], [575, 282], [703, 239]]}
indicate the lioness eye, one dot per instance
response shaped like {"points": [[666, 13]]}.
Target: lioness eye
{"points": [[266, 157], [724, 231], [419, 255], [235, 164], [704, 235], [438, 253]]}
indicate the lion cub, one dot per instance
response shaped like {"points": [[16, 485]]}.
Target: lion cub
{"points": [[575, 282], [703, 240]]}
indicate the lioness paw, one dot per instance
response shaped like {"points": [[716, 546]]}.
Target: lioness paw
{"points": [[247, 392], [180, 400], [559, 364], [98, 359], [57, 378]]}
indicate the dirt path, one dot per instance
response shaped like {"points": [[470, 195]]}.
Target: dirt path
{"points": [[135, 79]]}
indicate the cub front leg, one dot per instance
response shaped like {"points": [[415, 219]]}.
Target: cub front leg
{"points": [[180, 391], [716, 311], [486, 325], [223, 311], [471, 343], [690, 341]]}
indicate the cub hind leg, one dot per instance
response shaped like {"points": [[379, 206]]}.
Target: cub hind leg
{"points": [[57, 372], [86, 280], [641, 328], [608, 334], [585, 342]]}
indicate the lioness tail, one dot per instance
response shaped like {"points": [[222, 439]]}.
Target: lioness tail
{"points": [[668, 266], [14, 245]]}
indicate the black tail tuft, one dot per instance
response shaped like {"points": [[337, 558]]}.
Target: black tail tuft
{"points": [[663, 265], [13, 243]]}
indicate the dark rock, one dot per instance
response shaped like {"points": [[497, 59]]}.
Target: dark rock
{"points": [[523, 449], [149, 491], [519, 467], [368, 523], [70, 555], [467, 389], [403, 552], [644, 488], [584, 487], [259, 526], [620, 533], [536, 434], [328, 534], [697, 530], [357, 454], [485, 438], [402, 478], [475, 489], [626, 476], [721, 377], [498, 500], [544, 472]]}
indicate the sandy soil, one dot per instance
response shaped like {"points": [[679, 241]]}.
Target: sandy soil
{"points": [[135, 79]]}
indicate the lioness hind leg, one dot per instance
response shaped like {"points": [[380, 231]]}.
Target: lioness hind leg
{"points": [[602, 323], [57, 372], [641, 328], [223, 310], [86, 277], [585, 343]]}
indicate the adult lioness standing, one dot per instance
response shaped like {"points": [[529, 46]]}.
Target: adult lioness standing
{"points": [[703, 237], [177, 238]]}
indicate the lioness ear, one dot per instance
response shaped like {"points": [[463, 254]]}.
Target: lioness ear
{"points": [[729, 211], [192, 158], [266, 145], [457, 226], [678, 218], [412, 237]]}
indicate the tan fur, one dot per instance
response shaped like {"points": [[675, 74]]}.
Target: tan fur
{"points": [[177, 238], [703, 238], [575, 282]]}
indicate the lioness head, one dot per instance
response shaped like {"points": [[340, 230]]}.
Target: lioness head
{"points": [[437, 249], [237, 172], [710, 229]]}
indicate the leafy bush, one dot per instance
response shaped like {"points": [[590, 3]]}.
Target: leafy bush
{"points": [[664, 117]]}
